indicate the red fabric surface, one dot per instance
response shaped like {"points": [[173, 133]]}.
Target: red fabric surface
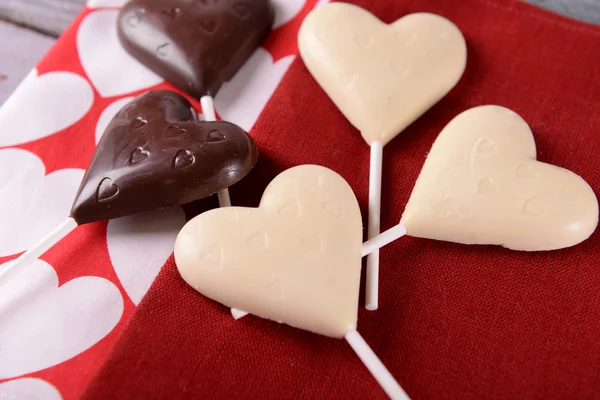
{"points": [[454, 321]]}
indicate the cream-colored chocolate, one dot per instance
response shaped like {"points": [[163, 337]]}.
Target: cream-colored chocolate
{"points": [[382, 77], [481, 184], [295, 259]]}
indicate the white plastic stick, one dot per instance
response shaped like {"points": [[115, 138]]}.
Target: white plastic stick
{"points": [[36, 251], [208, 109], [374, 225], [237, 314], [224, 199], [375, 366], [374, 244]]}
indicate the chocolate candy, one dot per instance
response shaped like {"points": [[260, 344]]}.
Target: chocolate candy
{"points": [[155, 154], [196, 45], [306, 234], [481, 184]]}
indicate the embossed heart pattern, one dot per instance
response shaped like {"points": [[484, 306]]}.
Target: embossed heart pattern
{"points": [[481, 184], [295, 259], [381, 77], [155, 154], [195, 45]]}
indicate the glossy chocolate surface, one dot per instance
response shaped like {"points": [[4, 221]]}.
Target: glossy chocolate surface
{"points": [[194, 44], [155, 154]]}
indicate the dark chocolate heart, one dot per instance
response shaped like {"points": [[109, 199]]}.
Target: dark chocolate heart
{"points": [[194, 44], [155, 154]]}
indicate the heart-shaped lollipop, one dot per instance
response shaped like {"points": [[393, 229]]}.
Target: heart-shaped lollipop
{"points": [[154, 154], [382, 78], [295, 259], [481, 184], [195, 45]]}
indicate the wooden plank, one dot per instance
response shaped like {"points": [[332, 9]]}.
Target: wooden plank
{"points": [[53, 16], [47, 16], [583, 10], [19, 55]]}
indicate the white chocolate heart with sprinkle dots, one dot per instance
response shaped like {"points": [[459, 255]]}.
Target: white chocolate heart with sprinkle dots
{"points": [[381, 77], [481, 184], [295, 259]]}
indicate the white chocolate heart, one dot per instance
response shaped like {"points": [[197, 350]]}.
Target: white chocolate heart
{"points": [[295, 259], [381, 77], [481, 184]]}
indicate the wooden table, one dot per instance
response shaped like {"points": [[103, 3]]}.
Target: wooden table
{"points": [[32, 26]]}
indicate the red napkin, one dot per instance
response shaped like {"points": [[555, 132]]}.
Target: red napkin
{"points": [[454, 321]]}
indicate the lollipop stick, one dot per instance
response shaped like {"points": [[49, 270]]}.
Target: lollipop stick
{"points": [[224, 199], [237, 314], [375, 366], [372, 289], [374, 244], [36, 251], [208, 109]]}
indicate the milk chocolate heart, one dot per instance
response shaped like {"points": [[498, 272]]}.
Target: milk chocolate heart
{"points": [[381, 77], [155, 154], [295, 259], [196, 45], [481, 184]]}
